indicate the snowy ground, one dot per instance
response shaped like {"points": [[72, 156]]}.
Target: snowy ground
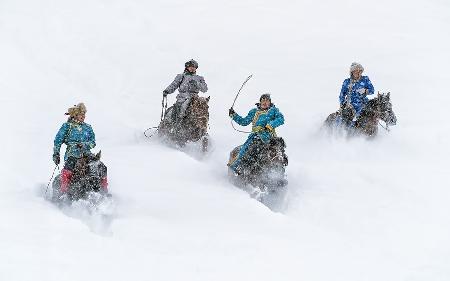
{"points": [[357, 209]]}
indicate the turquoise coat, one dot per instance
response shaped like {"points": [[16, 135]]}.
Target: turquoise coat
{"points": [[260, 119], [263, 122], [72, 134]]}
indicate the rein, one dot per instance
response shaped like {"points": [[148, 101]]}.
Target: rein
{"points": [[57, 166], [163, 111]]}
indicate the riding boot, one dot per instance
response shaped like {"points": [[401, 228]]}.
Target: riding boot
{"points": [[104, 184], [66, 175]]}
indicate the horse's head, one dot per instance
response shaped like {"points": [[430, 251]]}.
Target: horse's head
{"points": [[84, 165], [385, 109], [199, 114]]}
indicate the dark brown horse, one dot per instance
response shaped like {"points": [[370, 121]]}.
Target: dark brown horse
{"points": [[262, 166], [192, 128], [87, 175], [379, 108]]}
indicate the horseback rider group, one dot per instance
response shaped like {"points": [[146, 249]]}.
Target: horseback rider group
{"points": [[265, 117]]}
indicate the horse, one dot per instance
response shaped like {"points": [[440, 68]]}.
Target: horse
{"points": [[262, 166], [379, 108], [86, 177], [192, 128]]}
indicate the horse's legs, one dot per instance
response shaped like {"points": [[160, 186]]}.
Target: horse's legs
{"points": [[205, 143]]}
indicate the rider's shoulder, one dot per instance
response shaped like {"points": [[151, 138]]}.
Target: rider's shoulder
{"points": [[347, 81], [273, 108], [253, 110], [87, 125]]}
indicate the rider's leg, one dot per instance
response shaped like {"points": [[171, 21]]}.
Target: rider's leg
{"points": [[183, 107], [66, 174], [104, 178], [177, 109], [358, 109], [244, 149]]}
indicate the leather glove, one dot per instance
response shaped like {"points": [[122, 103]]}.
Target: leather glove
{"points": [[56, 158], [165, 93], [231, 112]]}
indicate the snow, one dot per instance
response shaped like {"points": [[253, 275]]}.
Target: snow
{"points": [[356, 209]]}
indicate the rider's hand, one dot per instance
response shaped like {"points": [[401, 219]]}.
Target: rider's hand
{"points": [[362, 91], [231, 112], [165, 93], [79, 145], [56, 158], [270, 128], [193, 87]]}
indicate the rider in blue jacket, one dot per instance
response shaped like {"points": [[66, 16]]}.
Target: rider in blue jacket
{"points": [[264, 118], [355, 89], [79, 139]]}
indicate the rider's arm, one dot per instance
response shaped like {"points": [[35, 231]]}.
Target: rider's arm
{"points": [[246, 120], [344, 90], [202, 85], [278, 119], [59, 138], [175, 84], [369, 87], [91, 139]]}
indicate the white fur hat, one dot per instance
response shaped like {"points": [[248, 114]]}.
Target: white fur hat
{"points": [[76, 109], [356, 66]]}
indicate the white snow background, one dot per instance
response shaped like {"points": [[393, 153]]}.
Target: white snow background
{"points": [[356, 210]]}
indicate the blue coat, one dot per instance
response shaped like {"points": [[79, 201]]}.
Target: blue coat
{"points": [[71, 134], [357, 99]]}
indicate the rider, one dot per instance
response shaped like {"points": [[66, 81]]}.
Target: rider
{"points": [[79, 138], [188, 84], [355, 89], [264, 118]]}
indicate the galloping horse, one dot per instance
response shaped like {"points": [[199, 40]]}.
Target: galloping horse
{"points": [[192, 128], [379, 108], [87, 175], [262, 166]]}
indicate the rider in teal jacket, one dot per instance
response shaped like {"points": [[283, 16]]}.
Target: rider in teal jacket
{"points": [[80, 139], [264, 118]]}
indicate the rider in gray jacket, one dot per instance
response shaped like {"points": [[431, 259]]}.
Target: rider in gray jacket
{"points": [[188, 84]]}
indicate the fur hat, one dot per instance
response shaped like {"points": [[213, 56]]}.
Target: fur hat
{"points": [[191, 63], [356, 66], [76, 110], [265, 96]]}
